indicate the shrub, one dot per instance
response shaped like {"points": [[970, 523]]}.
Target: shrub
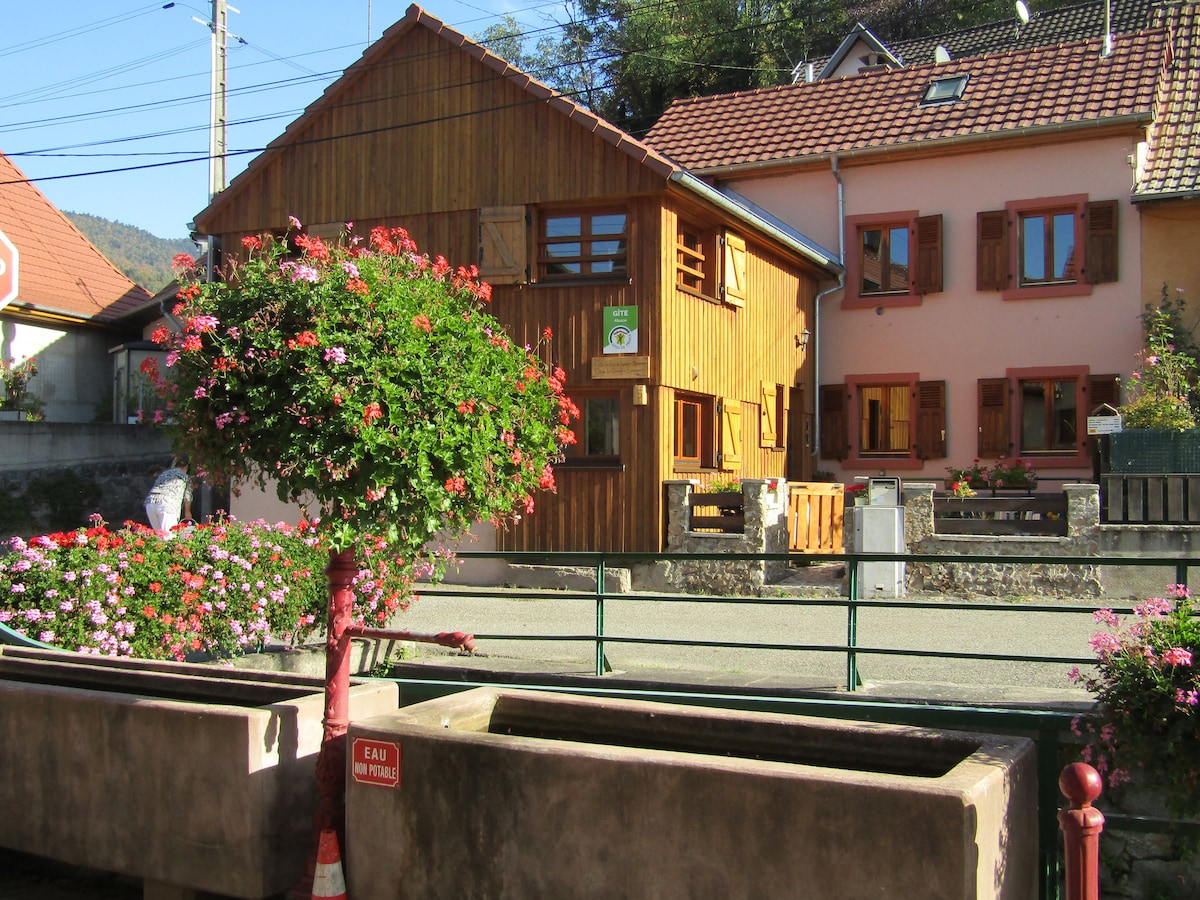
{"points": [[221, 589], [1147, 686]]}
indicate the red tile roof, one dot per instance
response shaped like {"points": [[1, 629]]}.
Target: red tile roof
{"points": [[1173, 164], [60, 271], [1068, 85]]}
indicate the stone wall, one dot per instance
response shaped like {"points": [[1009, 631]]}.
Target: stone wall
{"points": [[54, 475], [765, 507]]}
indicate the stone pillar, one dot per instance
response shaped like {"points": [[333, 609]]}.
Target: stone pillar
{"points": [[917, 499], [766, 508], [1083, 509], [678, 511]]}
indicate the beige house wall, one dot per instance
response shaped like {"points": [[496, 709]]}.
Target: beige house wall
{"points": [[960, 334], [1170, 241]]}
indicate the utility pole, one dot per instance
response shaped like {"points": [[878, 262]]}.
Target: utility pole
{"points": [[219, 117]]}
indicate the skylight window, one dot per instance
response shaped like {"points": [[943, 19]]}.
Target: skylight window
{"points": [[945, 90]]}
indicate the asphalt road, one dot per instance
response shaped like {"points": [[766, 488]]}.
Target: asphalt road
{"points": [[1015, 630]]}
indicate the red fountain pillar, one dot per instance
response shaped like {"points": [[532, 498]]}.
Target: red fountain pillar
{"points": [[1081, 826]]}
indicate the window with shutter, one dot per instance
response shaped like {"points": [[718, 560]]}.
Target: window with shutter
{"points": [[928, 278], [731, 436], [931, 420], [768, 415], [733, 286], [1101, 227], [502, 254], [835, 423], [994, 424], [1049, 247], [893, 259], [991, 251]]}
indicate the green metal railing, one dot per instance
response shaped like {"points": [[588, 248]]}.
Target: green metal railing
{"points": [[1046, 727]]}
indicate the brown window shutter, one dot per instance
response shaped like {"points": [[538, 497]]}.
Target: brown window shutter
{"points": [[767, 412], [1100, 225], [928, 277], [1103, 389], [502, 253], [731, 436], [991, 251], [835, 421], [931, 419], [733, 275], [994, 429]]}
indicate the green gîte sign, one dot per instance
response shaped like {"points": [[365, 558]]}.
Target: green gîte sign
{"points": [[620, 329]]}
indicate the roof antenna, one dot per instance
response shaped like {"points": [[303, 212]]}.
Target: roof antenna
{"points": [[1022, 15], [941, 54], [1108, 43]]}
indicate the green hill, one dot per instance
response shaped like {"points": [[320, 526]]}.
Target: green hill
{"points": [[136, 252]]}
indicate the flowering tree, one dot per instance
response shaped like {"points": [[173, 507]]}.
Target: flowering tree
{"points": [[1147, 687], [1158, 390], [367, 380]]}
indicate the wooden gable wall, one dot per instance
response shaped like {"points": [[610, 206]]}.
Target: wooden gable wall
{"points": [[738, 352], [425, 129]]}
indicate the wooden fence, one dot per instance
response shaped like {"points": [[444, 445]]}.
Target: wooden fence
{"points": [[815, 513], [1150, 499]]}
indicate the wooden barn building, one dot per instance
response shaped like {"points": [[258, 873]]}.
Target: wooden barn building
{"points": [[681, 315]]}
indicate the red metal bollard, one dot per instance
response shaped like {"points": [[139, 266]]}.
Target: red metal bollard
{"points": [[1081, 826], [331, 760]]}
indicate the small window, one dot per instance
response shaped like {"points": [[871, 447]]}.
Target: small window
{"points": [[1048, 243], [1049, 415], [601, 427], [695, 431], [694, 262], [576, 245], [885, 420], [884, 260], [945, 90]]}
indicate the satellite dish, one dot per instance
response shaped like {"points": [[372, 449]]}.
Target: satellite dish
{"points": [[1022, 12], [941, 54]]}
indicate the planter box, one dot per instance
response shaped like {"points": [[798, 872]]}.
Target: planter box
{"points": [[520, 794], [1146, 451], [201, 779]]}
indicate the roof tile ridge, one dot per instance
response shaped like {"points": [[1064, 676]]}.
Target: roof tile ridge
{"points": [[30, 185]]}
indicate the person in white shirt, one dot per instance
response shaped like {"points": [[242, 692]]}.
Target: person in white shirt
{"points": [[171, 492]]}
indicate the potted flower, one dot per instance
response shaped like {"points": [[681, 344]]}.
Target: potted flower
{"points": [[1146, 723], [973, 477], [1017, 473]]}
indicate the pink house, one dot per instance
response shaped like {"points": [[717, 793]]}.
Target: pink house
{"points": [[992, 249]]}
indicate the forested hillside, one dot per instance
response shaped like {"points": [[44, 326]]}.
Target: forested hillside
{"points": [[136, 252]]}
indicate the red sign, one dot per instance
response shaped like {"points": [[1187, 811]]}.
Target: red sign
{"points": [[8, 271], [375, 762]]}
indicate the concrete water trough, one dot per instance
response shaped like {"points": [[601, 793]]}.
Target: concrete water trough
{"points": [[191, 778], [498, 793]]}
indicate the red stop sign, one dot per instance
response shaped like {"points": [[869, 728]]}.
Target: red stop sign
{"points": [[8, 271]]}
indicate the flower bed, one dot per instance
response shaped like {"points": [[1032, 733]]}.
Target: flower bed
{"points": [[221, 589]]}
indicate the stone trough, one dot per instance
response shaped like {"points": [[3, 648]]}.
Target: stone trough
{"points": [[193, 779], [500, 793]]}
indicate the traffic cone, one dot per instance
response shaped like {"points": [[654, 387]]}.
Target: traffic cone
{"points": [[328, 881]]}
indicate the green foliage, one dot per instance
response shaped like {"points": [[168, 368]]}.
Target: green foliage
{"points": [[1159, 391], [369, 380], [628, 60], [143, 257], [220, 589], [1147, 719]]}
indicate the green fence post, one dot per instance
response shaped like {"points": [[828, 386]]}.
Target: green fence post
{"points": [[852, 679], [1181, 573], [602, 664], [1047, 765]]}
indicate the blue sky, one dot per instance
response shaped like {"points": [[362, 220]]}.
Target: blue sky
{"points": [[93, 85]]}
